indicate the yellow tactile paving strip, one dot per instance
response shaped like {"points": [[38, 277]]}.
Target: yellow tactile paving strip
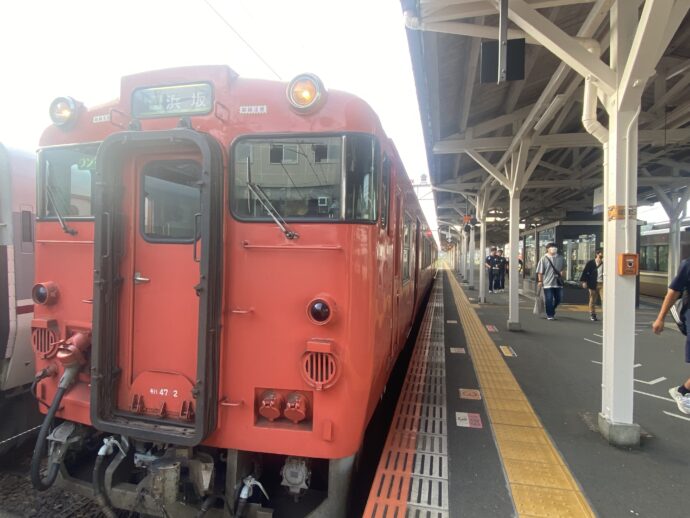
{"points": [[540, 482]]}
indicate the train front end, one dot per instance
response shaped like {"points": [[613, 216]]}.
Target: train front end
{"points": [[213, 287]]}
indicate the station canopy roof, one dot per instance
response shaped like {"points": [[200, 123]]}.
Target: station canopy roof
{"points": [[466, 121]]}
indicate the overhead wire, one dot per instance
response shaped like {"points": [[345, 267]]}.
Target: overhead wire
{"points": [[236, 32]]}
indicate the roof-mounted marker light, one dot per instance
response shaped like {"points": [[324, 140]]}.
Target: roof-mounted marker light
{"points": [[306, 92], [63, 110]]}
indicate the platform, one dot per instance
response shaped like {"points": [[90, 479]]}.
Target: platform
{"points": [[492, 423]]}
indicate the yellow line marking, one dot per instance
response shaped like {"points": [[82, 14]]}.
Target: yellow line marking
{"points": [[540, 482]]}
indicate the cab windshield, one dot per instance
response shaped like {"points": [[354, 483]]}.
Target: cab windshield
{"points": [[65, 181], [331, 178]]}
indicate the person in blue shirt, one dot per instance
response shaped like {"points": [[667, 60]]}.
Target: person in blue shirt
{"points": [[680, 286], [490, 265]]}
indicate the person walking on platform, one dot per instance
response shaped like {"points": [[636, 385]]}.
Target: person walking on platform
{"points": [[490, 264], [550, 276], [680, 286], [592, 278], [501, 265]]}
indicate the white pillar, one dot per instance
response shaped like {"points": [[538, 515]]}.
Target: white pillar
{"points": [[673, 244], [466, 240], [482, 254], [473, 249], [461, 260], [513, 323], [677, 206], [616, 417]]}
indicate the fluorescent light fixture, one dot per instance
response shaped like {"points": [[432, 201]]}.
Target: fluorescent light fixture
{"points": [[548, 114]]}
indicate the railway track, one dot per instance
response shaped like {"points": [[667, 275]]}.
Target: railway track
{"points": [[18, 499]]}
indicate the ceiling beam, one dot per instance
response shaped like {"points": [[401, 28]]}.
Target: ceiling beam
{"points": [[645, 51], [562, 45], [559, 140], [486, 165], [457, 10]]}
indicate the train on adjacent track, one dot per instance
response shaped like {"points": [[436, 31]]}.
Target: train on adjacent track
{"points": [[226, 272], [654, 251], [17, 199]]}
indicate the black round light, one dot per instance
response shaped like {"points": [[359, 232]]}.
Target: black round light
{"points": [[45, 293], [39, 294], [320, 311]]}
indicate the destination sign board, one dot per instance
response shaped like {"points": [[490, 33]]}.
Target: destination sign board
{"points": [[169, 101]]}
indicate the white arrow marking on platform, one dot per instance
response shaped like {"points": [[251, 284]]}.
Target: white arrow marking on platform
{"points": [[593, 341], [654, 395], [600, 336], [676, 415], [598, 363], [653, 382]]}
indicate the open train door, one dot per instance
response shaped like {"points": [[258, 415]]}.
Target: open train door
{"points": [[157, 285]]}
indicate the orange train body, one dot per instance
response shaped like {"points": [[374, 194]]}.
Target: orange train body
{"points": [[202, 320]]}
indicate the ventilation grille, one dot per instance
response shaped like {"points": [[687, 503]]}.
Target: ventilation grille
{"points": [[319, 370], [44, 341]]}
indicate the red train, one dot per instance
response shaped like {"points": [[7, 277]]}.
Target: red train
{"points": [[226, 273]]}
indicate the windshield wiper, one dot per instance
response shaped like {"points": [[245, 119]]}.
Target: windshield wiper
{"points": [[268, 206], [66, 229]]}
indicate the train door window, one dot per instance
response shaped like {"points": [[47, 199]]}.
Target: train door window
{"points": [[27, 230], [26, 225], [663, 258], [407, 238], [65, 181], [651, 262], [170, 199], [386, 188], [361, 178]]}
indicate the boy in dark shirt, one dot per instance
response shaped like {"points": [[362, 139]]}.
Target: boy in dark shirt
{"points": [[500, 275], [679, 286]]}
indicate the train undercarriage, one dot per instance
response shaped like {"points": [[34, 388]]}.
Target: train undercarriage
{"points": [[166, 480]]}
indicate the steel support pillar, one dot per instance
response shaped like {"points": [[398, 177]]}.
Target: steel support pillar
{"points": [[482, 253], [620, 186], [473, 249], [673, 245], [513, 323], [461, 250], [467, 257]]}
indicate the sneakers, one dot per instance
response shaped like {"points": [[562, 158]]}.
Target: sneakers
{"points": [[491, 291], [593, 318], [550, 318], [682, 401]]}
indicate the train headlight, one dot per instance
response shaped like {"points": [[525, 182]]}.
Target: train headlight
{"points": [[45, 293], [63, 111], [321, 310], [305, 92]]}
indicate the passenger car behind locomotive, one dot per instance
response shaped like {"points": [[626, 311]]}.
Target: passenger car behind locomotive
{"points": [[226, 275]]}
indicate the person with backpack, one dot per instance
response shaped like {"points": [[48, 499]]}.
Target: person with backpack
{"points": [[550, 277], [680, 286], [592, 278]]}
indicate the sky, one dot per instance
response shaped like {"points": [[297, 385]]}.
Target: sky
{"points": [[82, 48]]}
